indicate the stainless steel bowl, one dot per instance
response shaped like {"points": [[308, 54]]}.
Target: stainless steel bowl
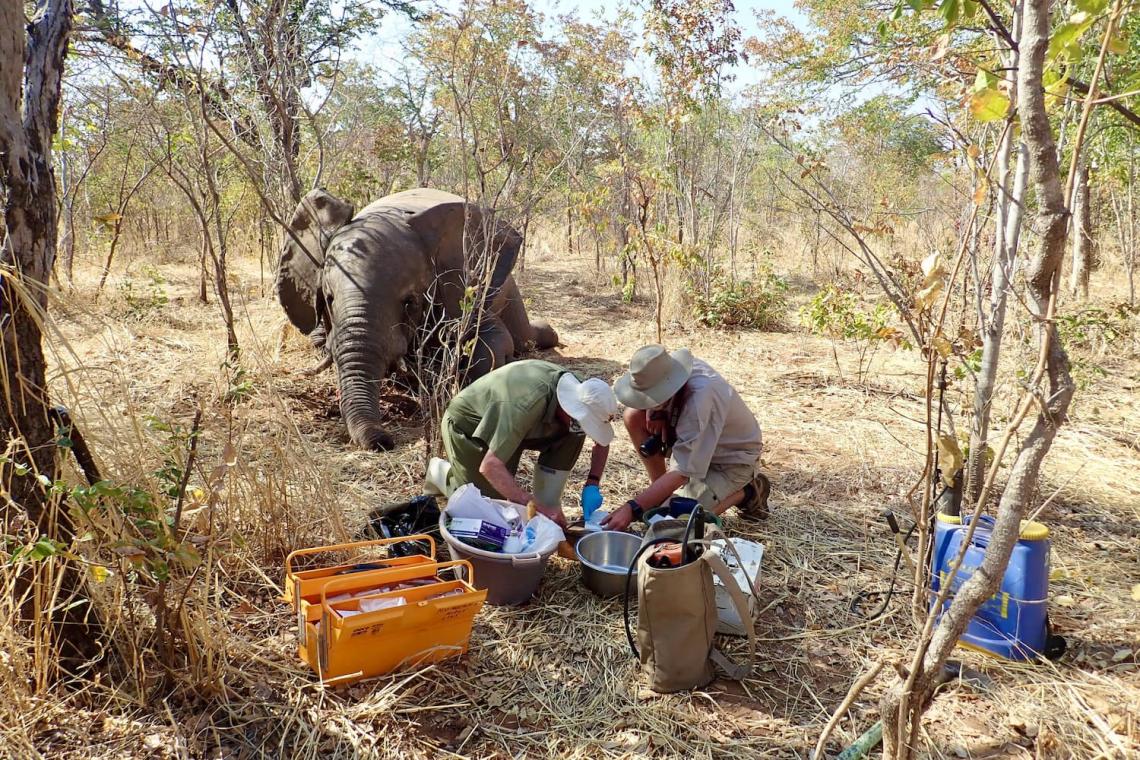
{"points": [[605, 558]]}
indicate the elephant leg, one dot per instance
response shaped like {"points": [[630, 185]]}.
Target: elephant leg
{"points": [[494, 347], [527, 335]]}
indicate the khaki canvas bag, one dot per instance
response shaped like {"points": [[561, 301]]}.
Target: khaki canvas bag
{"points": [[677, 620]]}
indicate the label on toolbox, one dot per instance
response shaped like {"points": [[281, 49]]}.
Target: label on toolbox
{"points": [[457, 612], [370, 630]]}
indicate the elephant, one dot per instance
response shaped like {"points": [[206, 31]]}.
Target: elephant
{"points": [[362, 286]]}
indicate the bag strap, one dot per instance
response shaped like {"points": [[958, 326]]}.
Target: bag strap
{"points": [[733, 670], [628, 585]]}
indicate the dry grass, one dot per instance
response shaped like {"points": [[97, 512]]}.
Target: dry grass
{"points": [[555, 678]]}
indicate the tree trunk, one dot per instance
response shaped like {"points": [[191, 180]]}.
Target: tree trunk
{"points": [[33, 67], [904, 704], [1007, 233], [203, 270], [1082, 235], [1004, 260]]}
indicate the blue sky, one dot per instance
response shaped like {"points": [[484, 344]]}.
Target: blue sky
{"points": [[382, 49]]}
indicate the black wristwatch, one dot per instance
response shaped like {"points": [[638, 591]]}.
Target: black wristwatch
{"points": [[636, 509]]}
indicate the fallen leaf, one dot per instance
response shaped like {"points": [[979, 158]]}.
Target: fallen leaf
{"points": [[245, 609], [1136, 593], [1064, 601], [1121, 655]]}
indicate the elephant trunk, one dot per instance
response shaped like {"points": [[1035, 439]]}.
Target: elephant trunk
{"points": [[361, 367]]}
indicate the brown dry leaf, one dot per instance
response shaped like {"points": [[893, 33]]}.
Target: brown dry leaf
{"points": [[245, 609], [933, 271], [981, 193], [933, 266], [942, 49], [942, 346], [229, 454], [218, 478], [949, 457], [926, 297]]}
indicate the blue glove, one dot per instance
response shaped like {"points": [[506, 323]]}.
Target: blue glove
{"points": [[591, 500]]}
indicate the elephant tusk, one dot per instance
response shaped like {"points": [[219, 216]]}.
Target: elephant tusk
{"points": [[318, 369]]}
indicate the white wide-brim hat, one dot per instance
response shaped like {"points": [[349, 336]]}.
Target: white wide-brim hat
{"points": [[591, 403], [654, 376]]}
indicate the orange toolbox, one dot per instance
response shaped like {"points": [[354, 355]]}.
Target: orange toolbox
{"points": [[303, 587], [354, 625]]}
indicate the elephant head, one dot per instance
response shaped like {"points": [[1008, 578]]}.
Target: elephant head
{"points": [[318, 216], [366, 283]]}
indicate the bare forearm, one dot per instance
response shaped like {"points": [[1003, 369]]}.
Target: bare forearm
{"points": [[497, 474], [661, 489], [598, 458]]}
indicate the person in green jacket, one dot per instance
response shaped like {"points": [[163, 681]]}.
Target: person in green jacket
{"points": [[526, 405]]}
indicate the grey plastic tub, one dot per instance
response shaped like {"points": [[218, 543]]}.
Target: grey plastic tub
{"points": [[510, 579]]}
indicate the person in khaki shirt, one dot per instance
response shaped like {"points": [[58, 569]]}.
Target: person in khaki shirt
{"points": [[525, 405], [707, 442]]}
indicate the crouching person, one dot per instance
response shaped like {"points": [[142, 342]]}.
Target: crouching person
{"points": [[525, 405], [696, 436]]}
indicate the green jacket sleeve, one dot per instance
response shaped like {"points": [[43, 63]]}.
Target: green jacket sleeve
{"points": [[505, 425]]}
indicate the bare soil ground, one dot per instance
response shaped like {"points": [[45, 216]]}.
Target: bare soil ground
{"points": [[555, 678]]}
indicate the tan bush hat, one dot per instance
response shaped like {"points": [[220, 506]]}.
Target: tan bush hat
{"points": [[654, 376]]}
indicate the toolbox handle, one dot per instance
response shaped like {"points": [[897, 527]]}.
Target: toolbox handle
{"points": [[354, 545], [433, 567]]}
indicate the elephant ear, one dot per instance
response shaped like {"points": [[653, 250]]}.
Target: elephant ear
{"points": [[505, 248], [443, 229], [316, 219]]}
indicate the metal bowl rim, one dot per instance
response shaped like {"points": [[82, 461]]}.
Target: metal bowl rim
{"points": [[598, 568]]}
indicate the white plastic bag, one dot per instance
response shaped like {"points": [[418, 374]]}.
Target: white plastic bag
{"points": [[543, 535], [469, 503], [594, 524], [373, 605]]}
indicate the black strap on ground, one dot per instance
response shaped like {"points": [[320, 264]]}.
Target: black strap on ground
{"points": [[864, 596]]}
